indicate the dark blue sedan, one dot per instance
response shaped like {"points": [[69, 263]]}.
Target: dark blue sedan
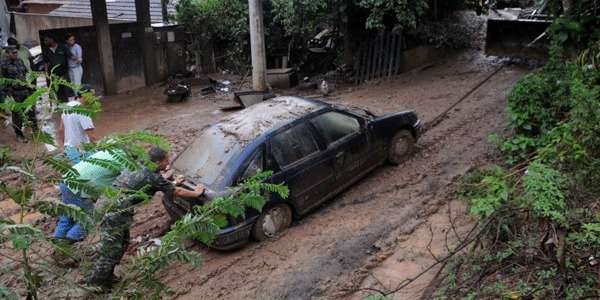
{"points": [[317, 149]]}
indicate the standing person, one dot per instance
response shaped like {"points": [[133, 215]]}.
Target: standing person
{"points": [[118, 215], [14, 68], [23, 53], [74, 130], [75, 68], [98, 178], [56, 61]]}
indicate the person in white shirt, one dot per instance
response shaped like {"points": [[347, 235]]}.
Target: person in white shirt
{"points": [[75, 130], [75, 68]]}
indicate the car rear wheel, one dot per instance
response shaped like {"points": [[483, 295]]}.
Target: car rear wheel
{"points": [[401, 146], [272, 221]]}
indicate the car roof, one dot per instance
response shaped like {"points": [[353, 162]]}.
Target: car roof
{"points": [[267, 116]]}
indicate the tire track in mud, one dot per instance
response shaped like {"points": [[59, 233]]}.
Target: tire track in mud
{"points": [[326, 252], [355, 247]]}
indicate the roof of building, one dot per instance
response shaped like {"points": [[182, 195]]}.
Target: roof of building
{"points": [[117, 9]]}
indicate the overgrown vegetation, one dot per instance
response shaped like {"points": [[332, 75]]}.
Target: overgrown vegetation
{"points": [[539, 222], [219, 28], [26, 247], [217, 24]]}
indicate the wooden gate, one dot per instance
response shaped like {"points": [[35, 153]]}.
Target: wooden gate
{"points": [[379, 57]]}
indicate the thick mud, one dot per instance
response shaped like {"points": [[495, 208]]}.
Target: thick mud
{"points": [[338, 248], [328, 254]]}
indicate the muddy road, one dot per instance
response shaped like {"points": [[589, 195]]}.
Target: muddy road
{"points": [[329, 253], [326, 254]]}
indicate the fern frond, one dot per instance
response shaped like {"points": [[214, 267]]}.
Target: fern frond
{"points": [[21, 235], [84, 186], [61, 165], [85, 110], [55, 209], [104, 163], [20, 195]]}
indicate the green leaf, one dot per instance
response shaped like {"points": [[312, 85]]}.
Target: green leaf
{"points": [[104, 163], [21, 235], [57, 209], [21, 195], [43, 137], [61, 165]]}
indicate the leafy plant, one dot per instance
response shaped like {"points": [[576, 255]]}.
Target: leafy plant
{"points": [[543, 187], [406, 12], [203, 224], [487, 191], [216, 23], [543, 237]]}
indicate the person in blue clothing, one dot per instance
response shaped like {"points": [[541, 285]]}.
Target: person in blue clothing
{"points": [[97, 178]]}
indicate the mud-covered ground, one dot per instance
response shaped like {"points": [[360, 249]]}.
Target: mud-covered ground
{"points": [[331, 252], [377, 233]]}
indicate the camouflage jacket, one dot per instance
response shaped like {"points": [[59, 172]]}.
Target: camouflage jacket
{"points": [[113, 211], [143, 180], [13, 69]]}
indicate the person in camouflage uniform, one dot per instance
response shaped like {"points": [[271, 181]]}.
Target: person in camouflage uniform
{"points": [[13, 68], [118, 214]]}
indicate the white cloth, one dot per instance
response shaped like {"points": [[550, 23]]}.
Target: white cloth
{"points": [[75, 74], [75, 126]]}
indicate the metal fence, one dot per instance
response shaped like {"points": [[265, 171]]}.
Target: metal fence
{"points": [[379, 57]]}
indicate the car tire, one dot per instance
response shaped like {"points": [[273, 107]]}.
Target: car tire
{"points": [[272, 221], [402, 145], [175, 211]]}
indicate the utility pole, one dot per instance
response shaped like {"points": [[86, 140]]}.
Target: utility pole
{"points": [[257, 46], [100, 19]]}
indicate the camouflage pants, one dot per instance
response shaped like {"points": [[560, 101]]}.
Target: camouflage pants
{"points": [[114, 240]]}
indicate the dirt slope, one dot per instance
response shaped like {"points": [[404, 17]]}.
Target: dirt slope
{"points": [[324, 255]]}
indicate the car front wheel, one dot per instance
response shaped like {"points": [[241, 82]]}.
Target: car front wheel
{"points": [[272, 221], [401, 146]]}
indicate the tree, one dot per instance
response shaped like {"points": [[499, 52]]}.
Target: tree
{"points": [[214, 23], [300, 18]]}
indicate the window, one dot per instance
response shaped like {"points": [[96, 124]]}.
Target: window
{"points": [[255, 166], [293, 144], [335, 126]]}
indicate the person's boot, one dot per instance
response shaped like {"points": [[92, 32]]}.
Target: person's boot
{"points": [[100, 285]]}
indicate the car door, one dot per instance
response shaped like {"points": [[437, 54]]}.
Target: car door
{"points": [[308, 174], [346, 141]]}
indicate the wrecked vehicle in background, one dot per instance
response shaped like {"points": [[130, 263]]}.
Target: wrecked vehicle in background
{"points": [[324, 42], [316, 149]]}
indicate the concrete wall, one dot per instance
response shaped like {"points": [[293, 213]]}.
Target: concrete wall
{"points": [[29, 25]]}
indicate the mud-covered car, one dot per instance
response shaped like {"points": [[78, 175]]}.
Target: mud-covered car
{"points": [[317, 149]]}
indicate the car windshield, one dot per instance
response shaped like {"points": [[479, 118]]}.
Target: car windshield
{"points": [[206, 158]]}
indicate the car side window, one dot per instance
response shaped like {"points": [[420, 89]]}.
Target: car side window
{"points": [[255, 166], [293, 144], [335, 126]]}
